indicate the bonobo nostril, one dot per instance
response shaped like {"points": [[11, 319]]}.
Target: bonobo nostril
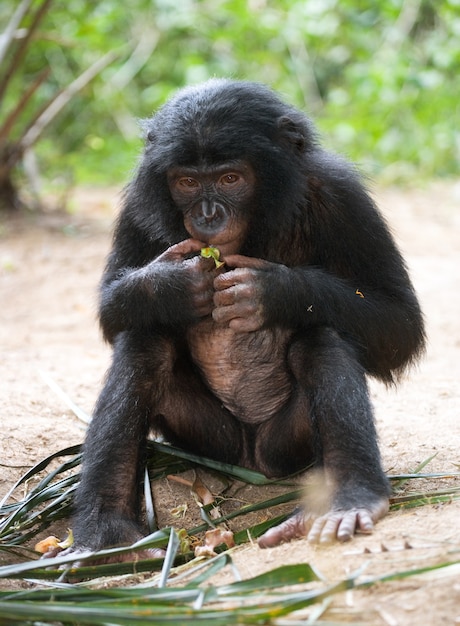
{"points": [[208, 209], [211, 210]]}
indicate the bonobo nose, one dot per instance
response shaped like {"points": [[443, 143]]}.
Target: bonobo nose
{"points": [[210, 210]]}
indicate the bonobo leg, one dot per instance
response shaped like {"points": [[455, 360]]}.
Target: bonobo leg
{"points": [[106, 503], [342, 426]]}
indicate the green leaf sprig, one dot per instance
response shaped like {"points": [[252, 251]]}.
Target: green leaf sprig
{"points": [[211, 252]]}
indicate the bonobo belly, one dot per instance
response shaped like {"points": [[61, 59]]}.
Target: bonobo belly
{"points": [[248, 372]]}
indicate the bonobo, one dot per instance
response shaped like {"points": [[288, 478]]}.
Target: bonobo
{"points": [[261, 362]]}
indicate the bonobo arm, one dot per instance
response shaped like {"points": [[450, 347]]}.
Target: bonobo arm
{"points": [[146, 286], [354, 281], [384, 324]]}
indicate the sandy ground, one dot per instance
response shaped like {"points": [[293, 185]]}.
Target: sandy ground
{"points": [[49, 270]]}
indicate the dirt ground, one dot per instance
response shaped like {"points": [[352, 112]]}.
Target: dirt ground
{"points": [[49, 270]]}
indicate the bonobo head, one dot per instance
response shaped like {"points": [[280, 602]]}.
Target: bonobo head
{"points": [[220, 157], [215, 201]]}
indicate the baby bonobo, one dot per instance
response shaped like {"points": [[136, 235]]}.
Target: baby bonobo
{"points": [[261, 361]]}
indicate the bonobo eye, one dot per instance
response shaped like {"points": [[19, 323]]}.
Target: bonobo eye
{"points": [[187, 182], [229, 179]]}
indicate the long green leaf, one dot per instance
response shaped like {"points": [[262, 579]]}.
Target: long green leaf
{"points": [[153, 610], [285, 575], [72, 450], [248, 476], [38, 568]]}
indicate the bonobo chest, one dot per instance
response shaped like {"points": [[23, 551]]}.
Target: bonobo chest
{"points": [[248, 372]]}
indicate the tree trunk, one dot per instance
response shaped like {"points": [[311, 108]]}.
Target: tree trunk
{"points": [[9, 194]]}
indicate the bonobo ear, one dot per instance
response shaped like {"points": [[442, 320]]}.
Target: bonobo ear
{"points": [[147, 132], [291, 134]]}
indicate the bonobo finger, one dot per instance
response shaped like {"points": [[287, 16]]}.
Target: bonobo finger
{"points": [[224, 314], [293, 528], [179, 250], [365, 523], [240, 292], [340, 526], [203, 304], [245, 325], [353, 521], [241, 317], [200, 280], [324, 528], [149, 553], [230, 279], [239, 260], [348, 526], [226, 297]]}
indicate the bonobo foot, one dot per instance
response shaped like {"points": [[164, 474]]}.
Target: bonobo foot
{"points": [[109, 531], [127, 557], [338, 525], [69, 569]]}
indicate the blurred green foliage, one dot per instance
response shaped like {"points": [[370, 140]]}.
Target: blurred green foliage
{"points": [[381, 78]]}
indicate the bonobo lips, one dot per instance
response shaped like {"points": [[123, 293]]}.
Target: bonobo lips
{"points": [[225, 246], [205, 228]]}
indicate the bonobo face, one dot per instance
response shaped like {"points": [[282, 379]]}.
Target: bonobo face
{"points": [[214, 201]]}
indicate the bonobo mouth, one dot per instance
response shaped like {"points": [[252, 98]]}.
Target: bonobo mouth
{"points": [[209, 230], [225, 245], [216, 226]]}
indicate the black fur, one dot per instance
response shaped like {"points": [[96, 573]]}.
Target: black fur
{"points": [[336, 297]]}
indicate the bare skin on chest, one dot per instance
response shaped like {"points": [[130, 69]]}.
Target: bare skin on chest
{"points": [[248, 372]]}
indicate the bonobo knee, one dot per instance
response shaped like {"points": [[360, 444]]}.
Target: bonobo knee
{"points": [[324, 350]]}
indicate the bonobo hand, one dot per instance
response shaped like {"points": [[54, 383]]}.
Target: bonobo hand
{"points": [[197, 274], [238, 293]]}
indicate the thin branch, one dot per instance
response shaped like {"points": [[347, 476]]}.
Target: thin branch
{"points": [[138, 58], [304, 71], [21, 105], [7, 37], [400, 31], [59, 101], [22, 47]]}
